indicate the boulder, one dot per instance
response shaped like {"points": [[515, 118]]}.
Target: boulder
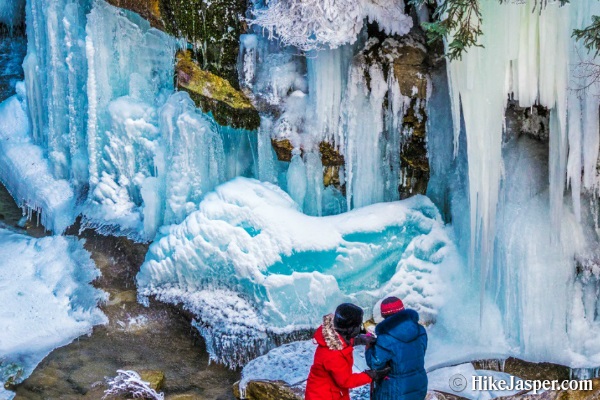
{"points": [[268, 390], [155, 378], [212, 93], [530, 370]]}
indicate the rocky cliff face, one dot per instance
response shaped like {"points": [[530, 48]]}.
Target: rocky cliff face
{"points": [[208, 69], [212, 29]]}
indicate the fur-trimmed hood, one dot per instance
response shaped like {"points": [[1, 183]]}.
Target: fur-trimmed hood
{"points": [[326, 335]]}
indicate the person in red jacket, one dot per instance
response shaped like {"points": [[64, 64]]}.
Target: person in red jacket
{"points": [[331, 376]]}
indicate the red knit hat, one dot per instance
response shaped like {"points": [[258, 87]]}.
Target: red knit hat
{"points": [[391, 305]]}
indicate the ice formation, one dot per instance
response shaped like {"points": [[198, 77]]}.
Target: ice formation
{"points": [[11, 12], [521, 56], [524, 237], [105, 123], [46, 296], [325, 24], [27, 172], [249, 264], [97, 130], [343, 101]]}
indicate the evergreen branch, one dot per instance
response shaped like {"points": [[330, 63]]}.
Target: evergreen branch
{"points": [[461, 19], [590, 36]]}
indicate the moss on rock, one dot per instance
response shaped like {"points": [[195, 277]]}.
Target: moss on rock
{"points": [[212, 93], [154, 378], [148, 9], [330, 156], [283, 149], [536, 371], [212, 27], [268, 390]]}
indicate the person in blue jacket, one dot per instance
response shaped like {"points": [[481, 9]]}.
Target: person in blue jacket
{"points": [[401, 344]]}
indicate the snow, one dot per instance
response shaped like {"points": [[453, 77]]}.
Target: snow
{"points": [[271, 269], [325, 24], [46, 296], [25, 171]]}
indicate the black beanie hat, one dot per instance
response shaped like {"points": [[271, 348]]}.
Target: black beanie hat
{"points": [[347, 315]]}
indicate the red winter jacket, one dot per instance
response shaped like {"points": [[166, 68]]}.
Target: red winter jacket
{"points": [[331, 376]]}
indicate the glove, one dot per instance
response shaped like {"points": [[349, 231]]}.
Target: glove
{"points": [[378, 374], [367, 340]]}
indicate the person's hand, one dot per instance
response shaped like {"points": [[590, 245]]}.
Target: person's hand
{"points": [[378, 374], [367, 340]]}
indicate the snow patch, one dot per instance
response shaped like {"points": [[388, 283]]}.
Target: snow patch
{"points": [[46, 296]]}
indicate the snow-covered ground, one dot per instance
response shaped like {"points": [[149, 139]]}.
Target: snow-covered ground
{"points": [[46, 299]]}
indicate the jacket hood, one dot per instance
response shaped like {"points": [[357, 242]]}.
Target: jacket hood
{"points": [[403, 325], [326, 335]]}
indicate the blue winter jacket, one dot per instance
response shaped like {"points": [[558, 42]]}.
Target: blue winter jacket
{"points": [[401, 344]]}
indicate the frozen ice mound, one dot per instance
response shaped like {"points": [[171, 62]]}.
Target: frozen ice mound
{"points": [[46, 296], [26, 171], [252, 267]]}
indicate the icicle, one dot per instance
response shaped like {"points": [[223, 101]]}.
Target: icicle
{"points": [[297, 179], [266, 158], [313, 203], [327, 76]]}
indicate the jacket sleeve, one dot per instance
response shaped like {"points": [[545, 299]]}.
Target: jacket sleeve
{"points": [[377, 356], [342, 374]]}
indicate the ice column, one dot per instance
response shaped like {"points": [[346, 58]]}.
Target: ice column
{"points": [[327, 79], [531, 56], [527, 54], [55, 70]]}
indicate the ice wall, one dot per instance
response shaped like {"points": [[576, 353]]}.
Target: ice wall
{"points": [[525, 54], [347, 102], [12, 13], [104, 119], [524, 237], [250, 265], [26, 171]]}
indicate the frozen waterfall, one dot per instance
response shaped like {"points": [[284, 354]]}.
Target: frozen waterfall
{"points": [[98, 130], [131, 154], [525, 237]]}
